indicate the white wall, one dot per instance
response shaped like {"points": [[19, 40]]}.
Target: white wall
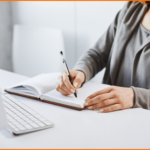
{"points": [[82, 23], [5, 35]]}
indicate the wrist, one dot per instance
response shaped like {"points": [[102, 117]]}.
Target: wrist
{"points": [[132, 97], [83, 75]]}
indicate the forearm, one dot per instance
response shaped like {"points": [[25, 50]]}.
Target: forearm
{"points": [[142, 98], [95, 59], [90, 63]]}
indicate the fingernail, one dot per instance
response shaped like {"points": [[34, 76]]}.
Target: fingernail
{"points": [[72, 90], [85, 104], [75, 84], [90, 107], [101, 110]]}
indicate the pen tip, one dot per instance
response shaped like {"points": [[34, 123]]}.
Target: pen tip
{"points": [[61, 52], [75, 95]]}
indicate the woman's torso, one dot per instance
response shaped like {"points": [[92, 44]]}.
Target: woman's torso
{"points": [[124, 75]]}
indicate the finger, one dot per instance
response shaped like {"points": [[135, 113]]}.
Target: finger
{"points": [[111, 108], [77, 81], [63, 86], [67, 82], [103, 104], [72, 74], [61, 91], [98, 99], [106, 90]]}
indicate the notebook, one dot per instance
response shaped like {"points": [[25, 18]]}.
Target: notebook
{"points": [[42, 87]]}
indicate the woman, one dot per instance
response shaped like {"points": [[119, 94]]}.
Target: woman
{"points": [[124, 49]]}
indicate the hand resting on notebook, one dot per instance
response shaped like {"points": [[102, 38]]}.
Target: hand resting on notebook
{"points": [[65, 87]]}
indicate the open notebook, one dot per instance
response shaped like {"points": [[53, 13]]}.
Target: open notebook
{"points": [[42, 87]]}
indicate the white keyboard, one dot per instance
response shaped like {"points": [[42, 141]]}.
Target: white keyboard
{"points": [[22, 119]]}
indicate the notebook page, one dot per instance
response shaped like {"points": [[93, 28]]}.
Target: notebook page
{"points": [[41, 83], [71, 100]]}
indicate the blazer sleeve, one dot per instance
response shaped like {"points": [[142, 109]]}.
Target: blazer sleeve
{"points": [[95, 59], [141, 98]]}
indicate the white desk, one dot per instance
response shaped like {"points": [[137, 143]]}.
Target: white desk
{"points": [[79, 129]]}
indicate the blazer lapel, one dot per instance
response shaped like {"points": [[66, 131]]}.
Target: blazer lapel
{"points": [[141, 62], [130, 21], [145, 43]]}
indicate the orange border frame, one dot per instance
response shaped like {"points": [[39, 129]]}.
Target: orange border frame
{"points": [[67, 0]]}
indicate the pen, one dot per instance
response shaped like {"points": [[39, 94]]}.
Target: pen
{"points": [[64, 61]]}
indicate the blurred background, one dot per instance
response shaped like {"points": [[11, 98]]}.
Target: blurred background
{"points": [[33, 33]]}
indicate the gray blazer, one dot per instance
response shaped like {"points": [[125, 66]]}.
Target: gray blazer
{"points": [[108, 51]]}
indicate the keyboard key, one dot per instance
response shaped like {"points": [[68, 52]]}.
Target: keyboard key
{"points": [[23, 122], [34, 119], [17, 118], [42, 119], [6, 104], [7, 100], [27, 119], [31, 117], [13, 109], [27, 114], [28, 126], [12, 125], [16, 124], [20, 115], [16, 107], [13, 115], [19, 103], [12, 99], [41, 124], [10, 102], [37, 121], [13, 104], [13, 120], [34, 125], [38, 116], [47, 122], [22, 128], [16, 129], [23, 111]]}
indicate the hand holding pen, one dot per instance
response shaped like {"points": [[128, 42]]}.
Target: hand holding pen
{"points": [[65, 86]]}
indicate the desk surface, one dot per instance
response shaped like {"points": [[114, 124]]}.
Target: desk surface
{"points": [[79, 129]]}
